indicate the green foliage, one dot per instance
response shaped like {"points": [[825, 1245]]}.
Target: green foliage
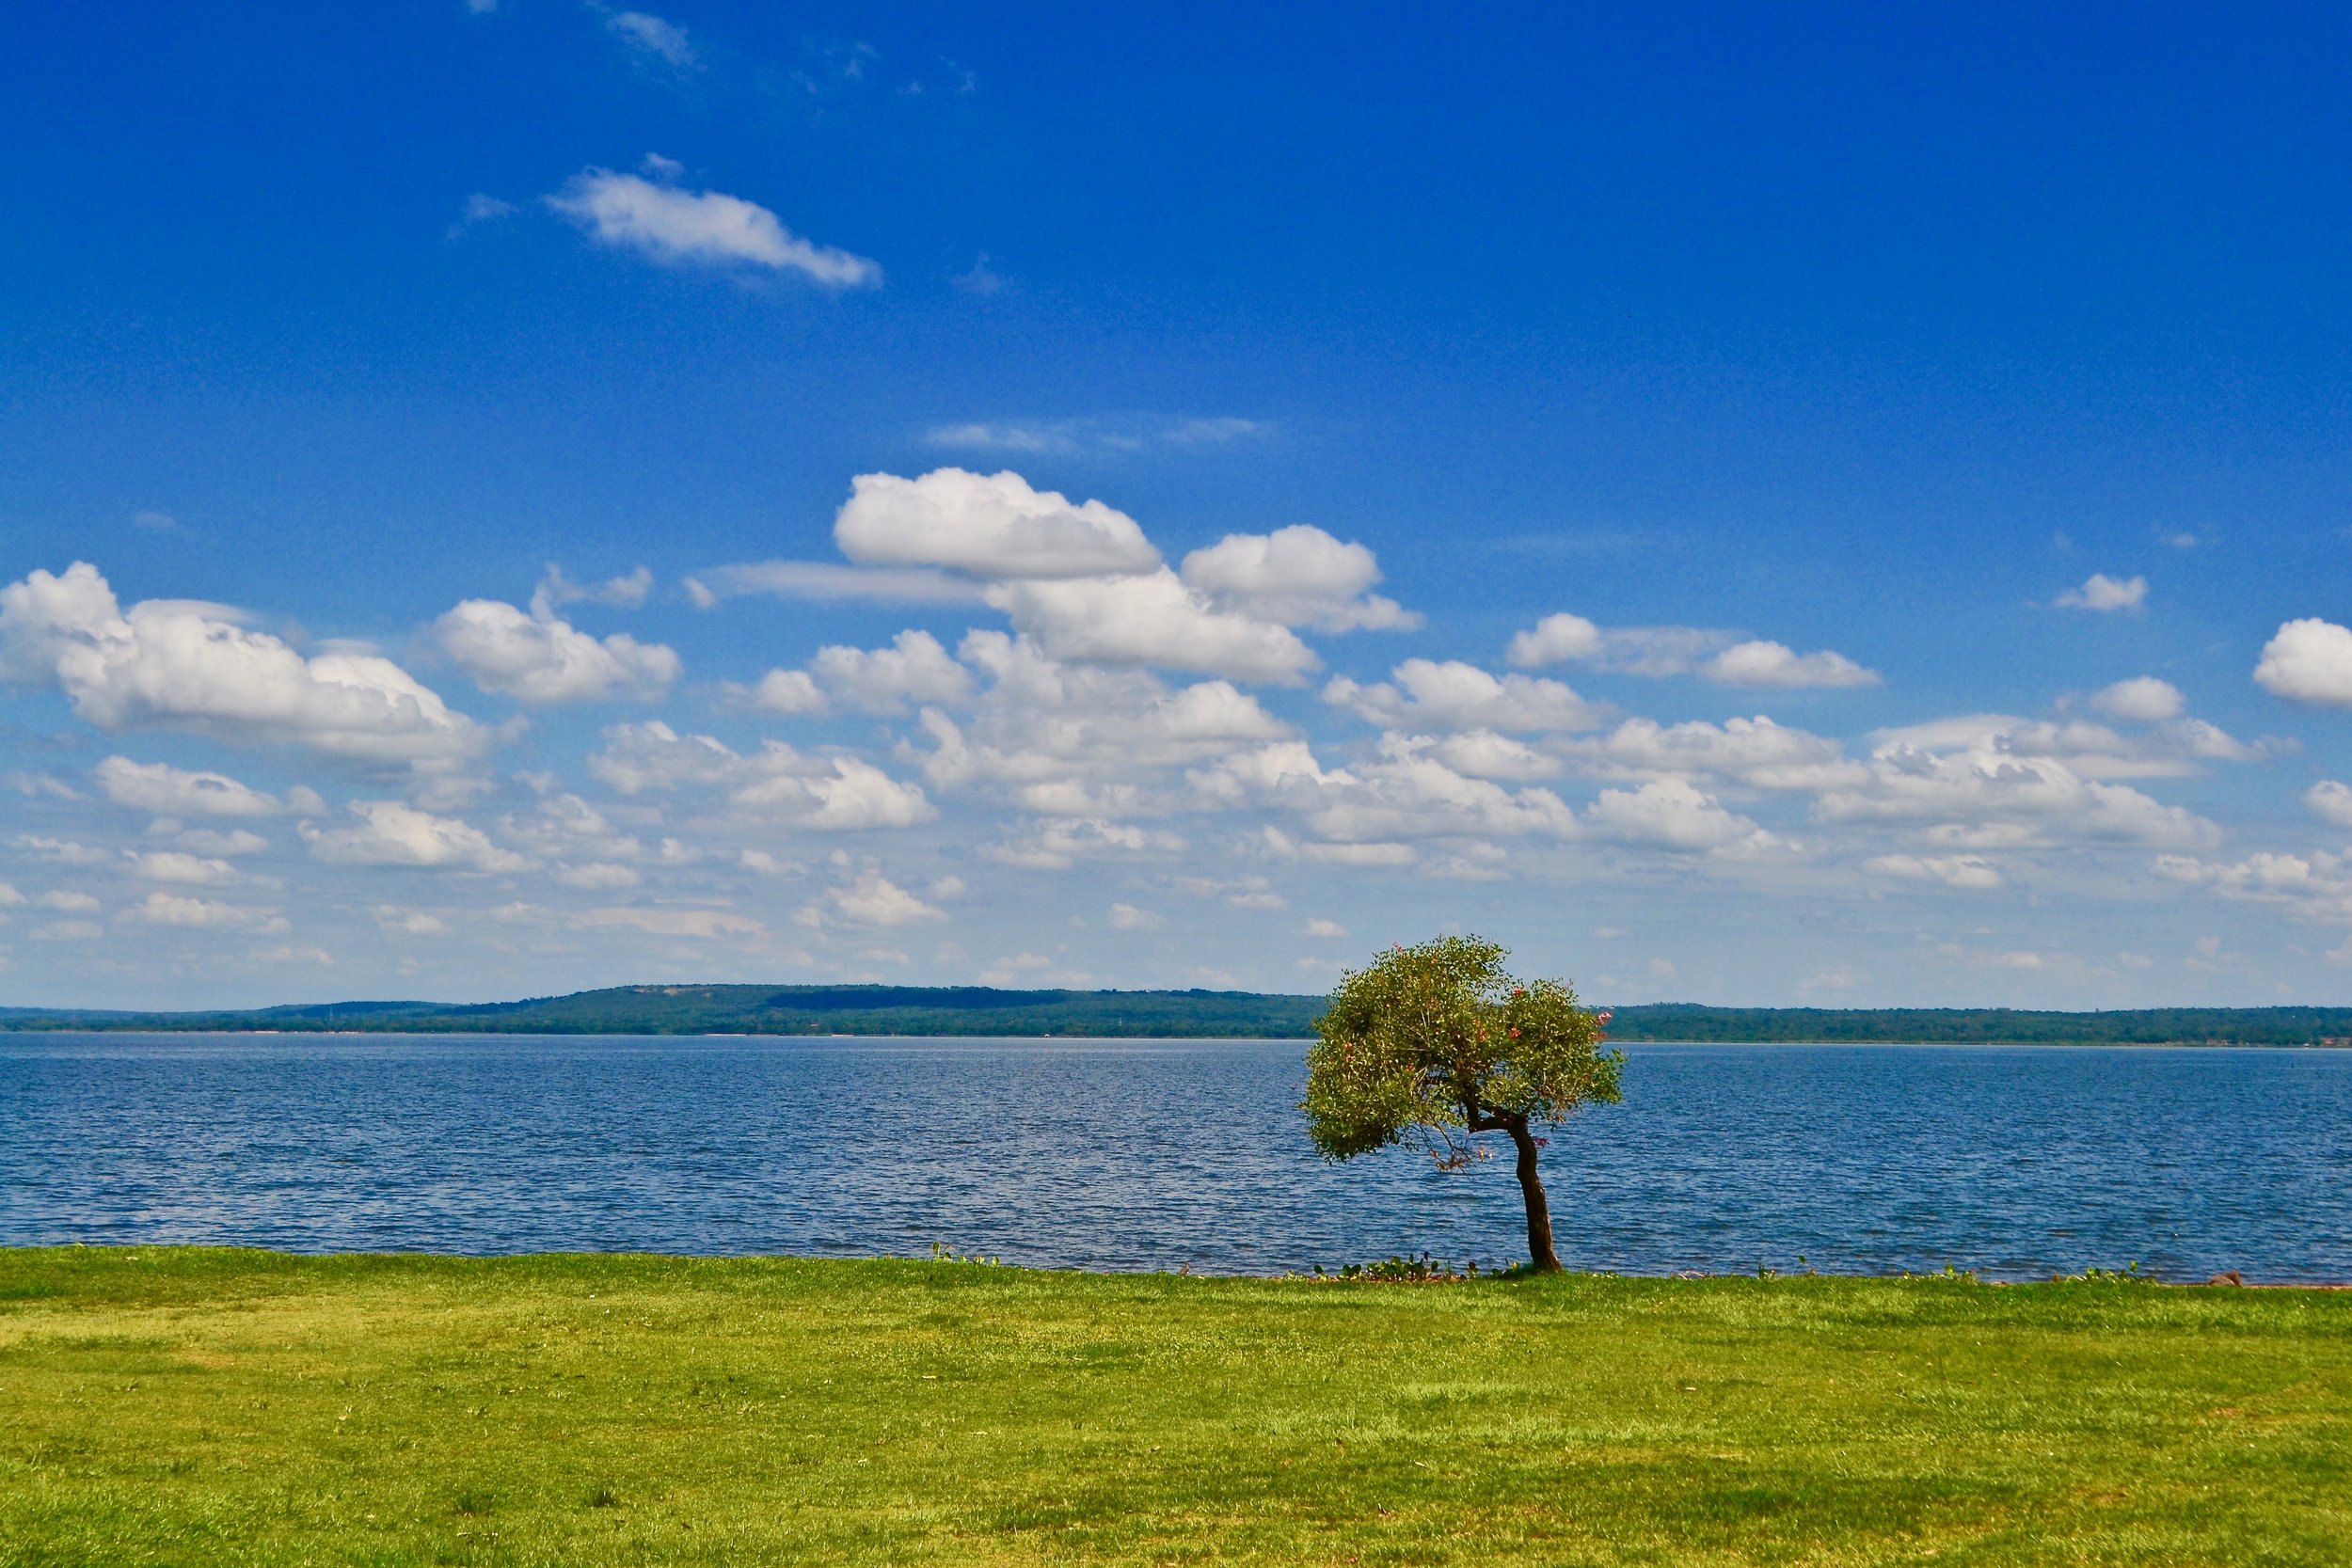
{"points": [[183, 1406], [1429, 1045]]}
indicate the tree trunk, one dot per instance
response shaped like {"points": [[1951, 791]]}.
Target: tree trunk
{"points": [[1539, 1254]]}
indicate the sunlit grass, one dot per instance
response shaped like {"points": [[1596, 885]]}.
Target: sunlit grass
{"points": [[175, 1405]]}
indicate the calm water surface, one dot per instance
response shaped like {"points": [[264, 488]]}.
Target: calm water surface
{"points": [[1161, 1155]]}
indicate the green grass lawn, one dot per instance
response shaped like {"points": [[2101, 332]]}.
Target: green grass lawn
{"points": [[197, 1406]]}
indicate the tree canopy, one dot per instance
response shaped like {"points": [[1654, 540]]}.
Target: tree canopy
{"points": [[1430, 1046]]}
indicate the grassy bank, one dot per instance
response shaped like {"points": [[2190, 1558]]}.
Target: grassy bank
{"points": [[197, 1407]]}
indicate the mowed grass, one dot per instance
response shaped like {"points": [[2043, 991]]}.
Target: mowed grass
{"points": [[183, 1406]]}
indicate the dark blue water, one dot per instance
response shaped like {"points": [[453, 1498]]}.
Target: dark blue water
{"points": [[1158, 1155]]}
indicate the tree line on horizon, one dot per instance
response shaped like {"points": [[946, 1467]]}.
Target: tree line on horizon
{"points": [[980, 1011]]}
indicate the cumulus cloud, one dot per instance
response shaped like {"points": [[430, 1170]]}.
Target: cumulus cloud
{"points": [[776, 783], [2309, 661], [1757, 663], [391, 833], [2143, 699], [1753, 752], [872, 900], [178, 865], [1153, 619], [2317, 886], [2175, 748], [178, 664], [203, 914], [1405, 794], [1673, 814], [1127, 917], [1977, 787], [1451, 695], [168, 791], [1720, 656], [1960, 871], [913, 669], [989, 525], [1076, 741], [681, 227], [538, 658], [1554, 640], [2105, 594], [1296, 577], [2330, 802]]}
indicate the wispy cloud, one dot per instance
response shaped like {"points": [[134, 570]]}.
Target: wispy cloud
{"points": [[677, 227], [1134, 433]]}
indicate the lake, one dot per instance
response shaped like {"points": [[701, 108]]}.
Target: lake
{"points": [[1101, 1154]]}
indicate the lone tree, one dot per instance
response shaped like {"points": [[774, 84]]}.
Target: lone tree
{"points": [[1431, 1045]]}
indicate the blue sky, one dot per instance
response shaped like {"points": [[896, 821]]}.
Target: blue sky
{"points": [[1828, 505]]}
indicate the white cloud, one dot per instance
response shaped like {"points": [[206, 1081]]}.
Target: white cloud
{"points": [[2103, 592], [990, 526], [408, 923], [1673, 814], [2309, 661], [1755, 751], [389, 832], [872, 900], [210, 841], [853, 796], [2175, 748], [1326, 929], [178, 664], [61, 852], [703, 924], [168, 791], [1152, 619], [65, 901], [1979, 788], [1126, 917], [10, 897], [1554, 640], [174, 866], [830, 580], [1405, 795], [1458, 696], [913, 669], [203, 914], [786, 691], [2330, 802], [1484, 754], [650, 35], [2143, 698], [538, 658], [1757, 663], [775, 784], [1962, 871], [1631, 650], [627, 591], [1088, 435], [704, 228], [1296, 577], [597, 875]]}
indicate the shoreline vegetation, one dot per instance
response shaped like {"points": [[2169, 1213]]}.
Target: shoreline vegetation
{"points": [[204, 1404], [981, 1010]]}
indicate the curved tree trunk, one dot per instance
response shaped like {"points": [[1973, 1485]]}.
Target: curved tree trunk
{"points": [[1540, 1257]]}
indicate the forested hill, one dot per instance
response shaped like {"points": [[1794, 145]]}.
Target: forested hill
{"points": [[1195, 1014]]}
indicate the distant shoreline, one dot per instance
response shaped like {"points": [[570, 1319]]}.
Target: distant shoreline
{"points": [[980, 1011]]}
